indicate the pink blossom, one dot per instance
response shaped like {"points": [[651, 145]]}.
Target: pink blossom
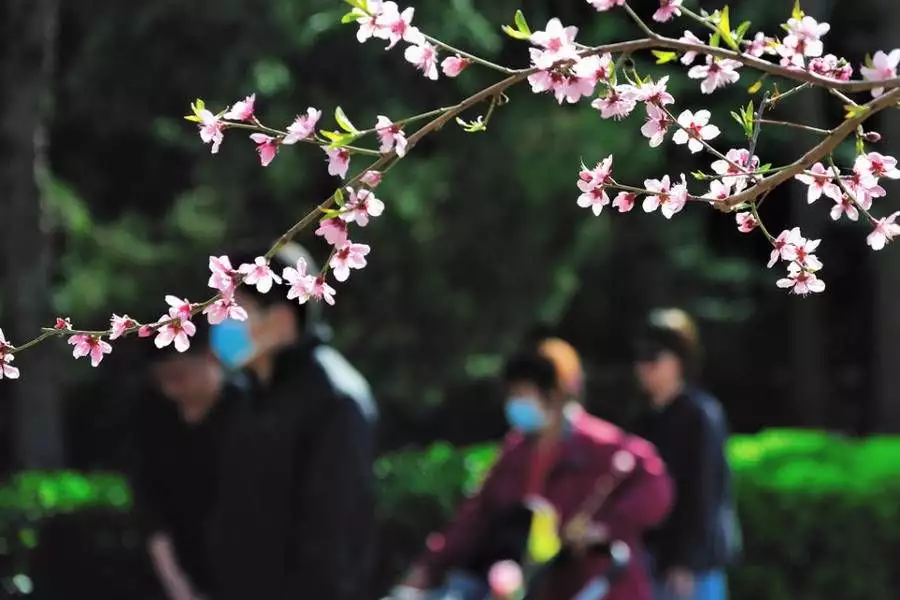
{"points": [[803, 40], [348, 256], [146, 331], [746, 221], [759, 45], [303, 126], [832, 67], [800, 281], [424, 56], [223, 309], [371, 178], [604, 5], [820, 181], [592, 184], [64, 324], [88, 345], [718, 190], [366, 20], [119, 325], [300, 281], [505, 577], [617, 104], [222, 275], [266, 146], [669, 199], [454, 65], [874, 165], [338, 161], [716, 73], [863, 187], [730, 173], [782, 248], [690, 56], [179, 307], [845, 206], [594, 68], [391, 136], [211, 130], [803, 250], [7, 370], [694, 127], [242, 109], [884, 231], [667, 9], [334, 230], [177, 330], [322, 291], [656, 126], [884, 66], [624, 201], [655, 93], [558, 43], [393, 25], [259, 274], [361, 205]]}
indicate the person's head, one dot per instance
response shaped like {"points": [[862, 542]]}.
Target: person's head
{"points": [[667, 352], [273, 322], [190, 378], [541, 382]]}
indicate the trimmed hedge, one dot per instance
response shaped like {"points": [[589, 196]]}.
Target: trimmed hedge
{"points": [[820, 517]]}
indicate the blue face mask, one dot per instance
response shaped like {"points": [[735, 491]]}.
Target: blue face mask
{"points": [[231, 343], [525, 415]]}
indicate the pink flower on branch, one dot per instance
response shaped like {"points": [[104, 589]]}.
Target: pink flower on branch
{"points": [[6, 356], [266, 146], [884, 231], [348, 256], [303, 126], [371, 178], [716, 73], [393, 25], [242, 110], [693, 128], [119, 325], [424, 56], [211, 130], [223, 309], [338, 161], [618, 102], [361, 205], [657, 125], [820, 181], [669, 199], [88, 345], [624, 201], [391, 136], [259, 274], [64, 324], [800, 281], [604, 5], [667, 10], [690, 56], [334, 230], [884, 66], [592, 184], [845, 206], [223, 277], [558, 43], [176, 331], [734, 167], [746, 222], [454, 65], [301, 284]]}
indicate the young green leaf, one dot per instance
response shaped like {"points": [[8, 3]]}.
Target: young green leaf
{"points": [[360, 4], [343, 121], [664, 56], [756, 86], [328, 213], [714, 39], [699, 175], [521, 23], [854, 111], [350, 17], [472, 126], [331, 135], [860, 146], [515, 33], [724, 28], [741, 31], [339, 197], [765, 168], [343, 139], [738, 117], [797, 13]]}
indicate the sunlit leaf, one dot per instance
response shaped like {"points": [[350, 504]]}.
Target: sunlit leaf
{"points": [[339, 197], [350, 17], [724, 28], [756, 86], [515, 33], [343, 121], [797, 13], [664, 56], [521, 23], [741, 31], [854, 111]]}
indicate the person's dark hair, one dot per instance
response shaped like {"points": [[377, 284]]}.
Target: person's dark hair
{"points": [[673, 330], [308, 314], [530, 366]]}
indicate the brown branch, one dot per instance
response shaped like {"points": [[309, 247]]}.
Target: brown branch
{"points": [[815, 154]]}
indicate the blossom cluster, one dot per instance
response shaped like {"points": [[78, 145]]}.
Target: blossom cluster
{"points": [[569, 71]]}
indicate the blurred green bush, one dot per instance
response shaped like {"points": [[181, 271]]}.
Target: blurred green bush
{"points": [[820, 513]]}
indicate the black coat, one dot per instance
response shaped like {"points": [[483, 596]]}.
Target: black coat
{"points": [[295, 516], [702, 531]]}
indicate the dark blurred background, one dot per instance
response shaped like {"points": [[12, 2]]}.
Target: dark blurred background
{"points": [[481, 241]]}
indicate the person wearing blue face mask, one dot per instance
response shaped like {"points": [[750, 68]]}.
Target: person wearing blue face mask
{"points": [[295, 516], [556, 453]]}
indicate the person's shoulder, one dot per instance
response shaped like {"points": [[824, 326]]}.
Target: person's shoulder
{"points": [[343, 380], [705, 406], [608, 438]]}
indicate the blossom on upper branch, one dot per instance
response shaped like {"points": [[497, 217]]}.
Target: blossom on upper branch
{"points": [[884, 66], [694, 127]]}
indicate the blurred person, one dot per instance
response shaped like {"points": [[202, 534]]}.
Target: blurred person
{"points": [[180, 421], [557, 452], [700, 538], [295, 517]]}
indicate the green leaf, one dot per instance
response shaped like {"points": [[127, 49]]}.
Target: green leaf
{"points": [[339, 197], [860, 146], [756, 86], [328, 213], [331, 135], [714, 39], [343, 121], [193, 118], [521, 23], [797, 13], [664, 56], [724, 28], [854, 111], [699, 175], [738, 117], [343, 139], [765, 168], [472, 126], [350, 17], [868, 60], [742, 30], [360, 4], [515, 33]]}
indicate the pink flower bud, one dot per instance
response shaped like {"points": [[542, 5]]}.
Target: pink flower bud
{"points": [[505, 579], [873, 137], [454, 65], [371, 178], [145, 331]]}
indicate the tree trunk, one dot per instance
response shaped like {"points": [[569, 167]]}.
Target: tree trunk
{"points": [[27, 33]]}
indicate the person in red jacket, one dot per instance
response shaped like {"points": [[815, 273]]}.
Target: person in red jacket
{"points": [[557, 451]]}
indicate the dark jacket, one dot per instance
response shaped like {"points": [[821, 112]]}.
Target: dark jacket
{"points": [[585, 457], [174, 476], [702, 531], [295, 517]]}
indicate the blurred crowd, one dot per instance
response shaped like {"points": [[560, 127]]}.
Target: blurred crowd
{"points": [[254, 476]]}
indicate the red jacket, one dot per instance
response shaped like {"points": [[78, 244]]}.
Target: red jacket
{"points": [[585, 456]]}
